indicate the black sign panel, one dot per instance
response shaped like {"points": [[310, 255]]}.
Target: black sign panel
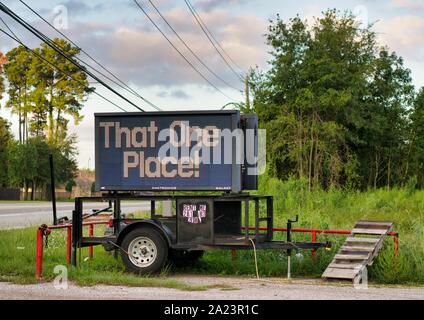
{"points": [[130, 151]]}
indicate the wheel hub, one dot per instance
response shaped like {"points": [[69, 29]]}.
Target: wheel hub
{"points": [[142, 252]]}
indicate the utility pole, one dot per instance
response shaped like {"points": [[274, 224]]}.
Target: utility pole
{"points": [[247, 94]]}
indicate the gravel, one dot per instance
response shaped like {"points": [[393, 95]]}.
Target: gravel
{"points": [[241, 289]]}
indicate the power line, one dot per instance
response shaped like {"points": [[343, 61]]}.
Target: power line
{"points": [[8, 28], [203, 27], [189, 49], [54, 46], [121, 84], [213, 37], [53, 65], [176, 49]]}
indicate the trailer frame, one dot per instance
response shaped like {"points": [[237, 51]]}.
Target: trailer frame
{"points": [[231, 239]]}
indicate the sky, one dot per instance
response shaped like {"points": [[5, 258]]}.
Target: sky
{"points": [[120, 36]]}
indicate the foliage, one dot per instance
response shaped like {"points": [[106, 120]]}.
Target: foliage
{"points": [[45, 99], [69, 185], [17, 73], [3, 61], [334, 209], [22, 164], [30, 166], [60, 94], [42, 96], [6, 139], [415, 148], [334, 104]]}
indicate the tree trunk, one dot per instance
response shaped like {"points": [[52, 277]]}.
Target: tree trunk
{"points": [[57, 125], [26, 190], [388, 173], [50, 134], [376, 171], [407, 157], [310, 163], [20, 126], [51, 120], [316, 164], [32, 190]]}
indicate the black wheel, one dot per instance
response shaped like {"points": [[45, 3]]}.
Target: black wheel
{"points": [[147, 250], [182, 258]]}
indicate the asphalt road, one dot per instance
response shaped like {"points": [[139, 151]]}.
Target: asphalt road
{"points": [[19, 215], [241, 289]]}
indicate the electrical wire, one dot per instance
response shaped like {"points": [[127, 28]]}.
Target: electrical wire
{"points": [[54, 66], [180, 53], [121, 83], [52, 45], [189, 49], [8, 28], [203, 27], [213, 37], [256, 259]]}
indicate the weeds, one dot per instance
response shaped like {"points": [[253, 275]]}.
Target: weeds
{"points": [[334, 209]]}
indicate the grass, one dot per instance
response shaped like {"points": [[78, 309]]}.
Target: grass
{"points": [[334, 209], [17, 264]]}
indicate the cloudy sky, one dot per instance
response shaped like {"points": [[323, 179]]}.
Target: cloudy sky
{"points": [[121, 37]]}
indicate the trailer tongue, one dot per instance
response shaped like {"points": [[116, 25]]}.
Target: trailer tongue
{"points": [[184, 151]]}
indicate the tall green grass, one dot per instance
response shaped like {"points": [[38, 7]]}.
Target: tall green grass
{"points": [[340, 209], [17, 264], [334, 209]]}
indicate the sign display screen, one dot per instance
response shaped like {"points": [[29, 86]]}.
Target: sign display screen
{"points": [[167, 151]]}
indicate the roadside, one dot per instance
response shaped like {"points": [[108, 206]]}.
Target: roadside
{"points": [[224, 288], [24, 214]]}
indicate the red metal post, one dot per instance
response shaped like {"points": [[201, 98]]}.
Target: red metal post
{"points": [[314, 239], [39, 254], [233, 255], [396, 241], [68, 244], [90, 234]]}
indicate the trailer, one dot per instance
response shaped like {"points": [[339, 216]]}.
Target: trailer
{"points": [[203, 204]]}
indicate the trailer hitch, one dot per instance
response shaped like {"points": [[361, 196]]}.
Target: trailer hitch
{"points": [[45, 231]]}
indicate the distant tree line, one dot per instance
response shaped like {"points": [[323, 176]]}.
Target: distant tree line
{"points": [[340, 110], [44, 99]]}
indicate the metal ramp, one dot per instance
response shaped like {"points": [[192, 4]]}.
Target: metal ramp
{"points": [[359, 250]]}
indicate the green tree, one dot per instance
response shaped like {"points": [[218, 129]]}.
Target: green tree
{"points": [[391, 95], [6, 139], [70, 185], [22, 165], [3, 61], [17, 73], [415, 147], [328, 103], [59, 94], [29, 165]]}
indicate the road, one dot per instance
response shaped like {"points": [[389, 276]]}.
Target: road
{"points": [[241, 289], [19, 215]]}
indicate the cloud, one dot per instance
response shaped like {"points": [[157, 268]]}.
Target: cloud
{"points": [[130, 46], [79, 7], [403, 34], [408, 4], [141, 55], [178, 94], [208, 5]]}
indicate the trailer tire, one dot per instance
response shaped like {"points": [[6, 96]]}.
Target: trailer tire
{"points": [[144, 251], [181, 258]]}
